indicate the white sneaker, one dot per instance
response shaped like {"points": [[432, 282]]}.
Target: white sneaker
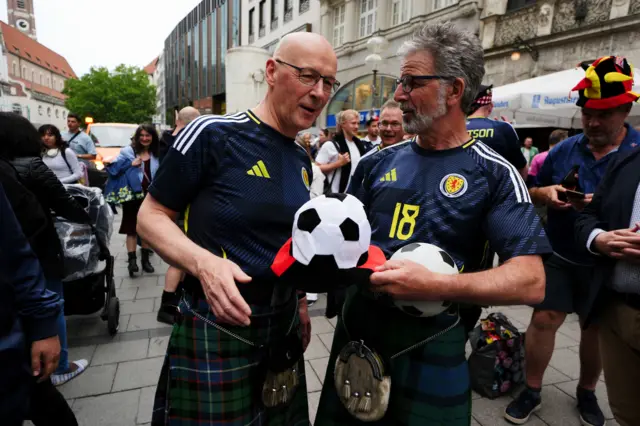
{"points": [[59, 379]]}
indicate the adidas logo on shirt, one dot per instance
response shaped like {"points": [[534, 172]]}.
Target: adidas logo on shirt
{"points": [[389, 176], [259, 170]]}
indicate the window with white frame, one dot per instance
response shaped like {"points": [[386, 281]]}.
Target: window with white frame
{"points": [[368, 16], [400, 11], [441, 4], [338, 25]]}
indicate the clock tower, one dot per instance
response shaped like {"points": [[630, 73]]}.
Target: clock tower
{"points": [[22, 16]]}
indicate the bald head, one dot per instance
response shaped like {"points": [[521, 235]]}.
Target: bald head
{"points": [[187, 115], [301, 45]]}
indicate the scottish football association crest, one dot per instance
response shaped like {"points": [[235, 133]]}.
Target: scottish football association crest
{"points": [[453, 185]]}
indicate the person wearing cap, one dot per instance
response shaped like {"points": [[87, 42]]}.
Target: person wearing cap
{"points": [[577, 163], [498, 135], [373, 132]]}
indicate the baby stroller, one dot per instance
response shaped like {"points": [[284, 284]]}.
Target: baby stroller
{"points": [[88, 265]]}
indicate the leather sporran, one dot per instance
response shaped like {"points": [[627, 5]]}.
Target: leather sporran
{"points": [[361, 382], [282, 370]]}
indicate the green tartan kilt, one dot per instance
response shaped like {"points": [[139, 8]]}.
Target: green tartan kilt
{"points": [[429, 385], [211, 378]]}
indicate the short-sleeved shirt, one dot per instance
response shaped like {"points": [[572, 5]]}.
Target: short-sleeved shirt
{"points": [[462, 200], [329, 154], [243, 182], [537, 163], [81, 144], [499, 136], [575, 152]]}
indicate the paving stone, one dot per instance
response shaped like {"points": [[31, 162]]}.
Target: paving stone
{"points": [[333, 321], [327, 339], [490, 412], [150, 292], [474, 422], [313, 383], [158, 346], [120, 272], [314, 400], [144, 281], [552, 376], [115, 352], [558, 408], [320, 367], [565, 341], [145, 406], [567, 362], [117, 409], [316, 349], [82, 352], [128, 293], [136, 306], [137, 374], [157, 302], [94, 381], [601, 393], [321, 325], [145, 322]]}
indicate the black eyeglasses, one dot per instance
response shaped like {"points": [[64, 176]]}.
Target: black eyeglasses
{"points": [[311, 77], [408, 81]]}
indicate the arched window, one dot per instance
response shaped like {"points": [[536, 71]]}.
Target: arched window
{"points": [[40, 110], [33, 76], [57, 113], [17, 108], [15, 69], [24, 72], [49, 112]]}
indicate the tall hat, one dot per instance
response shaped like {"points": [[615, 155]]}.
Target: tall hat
{"points": [[607, 84], [484, 97]]}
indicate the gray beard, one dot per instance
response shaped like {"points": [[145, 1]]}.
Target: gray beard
{"points": [[422, 123]]}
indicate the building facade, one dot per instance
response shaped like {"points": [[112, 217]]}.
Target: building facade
{"points": [[155, 71], [34, 78], [194, 54], [22, 16], [527, 38], [264, 22], [350, 24]]}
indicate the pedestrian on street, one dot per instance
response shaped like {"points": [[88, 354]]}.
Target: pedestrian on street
{"points": [[528, 150], [576, 164], [80, 142], [57, 155], [244, 177], [449, 190], [498, 135], [129, 178], [609, 228], [29, 344], [170, 298], [20, 144]]}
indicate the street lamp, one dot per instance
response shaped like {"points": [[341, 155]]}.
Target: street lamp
{"points": [[376, 45]]}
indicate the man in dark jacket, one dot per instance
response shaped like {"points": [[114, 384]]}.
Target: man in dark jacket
{"points": [[608, 227], [29, 345]]}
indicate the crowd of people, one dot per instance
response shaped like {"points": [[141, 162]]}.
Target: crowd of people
{"points": [[215, 197]]}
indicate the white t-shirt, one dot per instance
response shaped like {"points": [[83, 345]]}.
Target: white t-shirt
{"points": [[374, 142], [329, 154]]}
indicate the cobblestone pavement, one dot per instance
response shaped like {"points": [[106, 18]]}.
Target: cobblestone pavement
{"points": [[118, 387]]}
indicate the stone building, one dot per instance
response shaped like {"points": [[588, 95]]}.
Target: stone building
{"points": [[524, 39]]}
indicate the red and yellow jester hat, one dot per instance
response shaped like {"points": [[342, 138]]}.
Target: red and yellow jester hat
{"points": [[607, 84]]}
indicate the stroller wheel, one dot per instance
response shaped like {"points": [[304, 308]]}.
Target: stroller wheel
{"points": [[113, 316]]}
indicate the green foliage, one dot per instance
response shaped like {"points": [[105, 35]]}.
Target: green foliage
{"points": [[124, 95]]}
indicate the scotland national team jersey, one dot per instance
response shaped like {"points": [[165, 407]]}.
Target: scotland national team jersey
{"points": [[243, 182], [461, 200], [499, 136]]}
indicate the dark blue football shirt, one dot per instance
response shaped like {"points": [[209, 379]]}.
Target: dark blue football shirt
{"points": [[243, 182], [461, 200], [499, 136]]}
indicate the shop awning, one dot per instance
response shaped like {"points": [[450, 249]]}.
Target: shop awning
{"points": [[545, 101]]}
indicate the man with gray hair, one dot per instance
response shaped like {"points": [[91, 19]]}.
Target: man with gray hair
{"points": [[390, 362]]}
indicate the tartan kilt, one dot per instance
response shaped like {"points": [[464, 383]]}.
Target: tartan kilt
{"points": [[429, 385], [211, 378]]}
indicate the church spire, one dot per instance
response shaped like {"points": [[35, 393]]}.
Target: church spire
{"points": [[22, 16]]}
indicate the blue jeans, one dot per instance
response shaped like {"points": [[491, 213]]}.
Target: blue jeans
{"points": [[57, 287]]}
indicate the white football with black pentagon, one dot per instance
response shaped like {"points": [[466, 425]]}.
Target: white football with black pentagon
{"points": [[331, 231], [433, 258]]}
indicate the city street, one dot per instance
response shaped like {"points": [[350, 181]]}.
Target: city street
{"points": [[118, 387]]}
